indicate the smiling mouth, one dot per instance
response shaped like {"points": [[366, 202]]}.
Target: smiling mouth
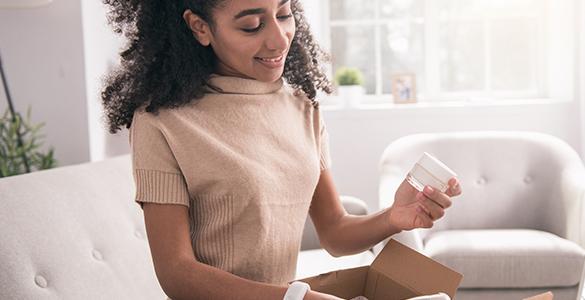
{"points": [[271, 59]]}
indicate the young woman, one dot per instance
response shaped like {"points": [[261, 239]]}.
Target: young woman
{"points": [[229, 149]]}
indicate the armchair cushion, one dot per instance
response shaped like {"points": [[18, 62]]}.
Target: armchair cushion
{"points": [[508, 258]]}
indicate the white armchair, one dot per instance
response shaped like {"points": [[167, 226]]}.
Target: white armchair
{"points": [[519, 226]]}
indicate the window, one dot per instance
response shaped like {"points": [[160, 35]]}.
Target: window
{"points": [[457, 49]]}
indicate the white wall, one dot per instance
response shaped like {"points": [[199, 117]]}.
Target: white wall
{"points": [[580, 70], [42, 52], [55, 58], [101, 55]]}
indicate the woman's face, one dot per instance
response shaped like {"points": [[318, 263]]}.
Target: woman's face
{"points": [[251, 38]]}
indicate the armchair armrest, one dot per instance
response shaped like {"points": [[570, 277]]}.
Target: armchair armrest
{"points": [[573, 197], [353, 206]]}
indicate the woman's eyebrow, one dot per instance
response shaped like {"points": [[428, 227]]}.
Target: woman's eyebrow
{"points": [[256, 11]]}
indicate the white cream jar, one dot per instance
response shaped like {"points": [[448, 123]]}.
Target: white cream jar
{"points": [[430, 171]]}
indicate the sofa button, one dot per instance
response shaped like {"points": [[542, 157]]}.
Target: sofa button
{"points": [[97, 255], [480, 181], [138, 234], [527, 179], [41, 281]]}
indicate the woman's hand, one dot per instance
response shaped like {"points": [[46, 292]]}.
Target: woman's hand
{"points": [[413, 209]]}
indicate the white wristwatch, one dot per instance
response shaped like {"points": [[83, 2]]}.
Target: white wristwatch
{"points": [[297, 291]]}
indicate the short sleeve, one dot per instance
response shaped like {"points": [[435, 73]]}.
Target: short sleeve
{"points": [[324, 156], [157, 176]]}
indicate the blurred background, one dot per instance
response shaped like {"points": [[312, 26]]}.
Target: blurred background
{"points": [[475, 65]]}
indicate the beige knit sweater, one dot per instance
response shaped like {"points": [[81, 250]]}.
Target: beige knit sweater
{"points": [[245, 160]]}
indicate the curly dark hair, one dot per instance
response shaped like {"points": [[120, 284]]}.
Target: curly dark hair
{"points": [[162, 64]]}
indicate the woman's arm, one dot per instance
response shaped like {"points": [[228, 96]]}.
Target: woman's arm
{"points": [[181, 276], [343, 234]]}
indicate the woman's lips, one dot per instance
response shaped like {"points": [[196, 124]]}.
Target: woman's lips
{"points": [[271, 62]]}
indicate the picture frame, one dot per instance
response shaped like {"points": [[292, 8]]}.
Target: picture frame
{"points": [[403, 88]]}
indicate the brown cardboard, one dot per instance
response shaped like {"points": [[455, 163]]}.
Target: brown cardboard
{"points": [[544, 296], [397, 273]]}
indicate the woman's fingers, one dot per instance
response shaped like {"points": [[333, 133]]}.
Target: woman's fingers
{"points": [[443, 200], [454, 188], [422, 219], [432, 203], [430, 207]]}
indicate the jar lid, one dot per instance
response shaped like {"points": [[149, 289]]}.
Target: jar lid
{"points": [[437, 168]]}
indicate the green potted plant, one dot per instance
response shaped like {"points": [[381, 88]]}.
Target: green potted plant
{"points": [[20, 143], [350, 85]]}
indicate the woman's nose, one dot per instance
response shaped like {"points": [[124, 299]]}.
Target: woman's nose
{"points": [[277, 38]]}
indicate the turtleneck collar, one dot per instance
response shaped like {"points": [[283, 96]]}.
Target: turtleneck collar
{"points": [[237, 85]]}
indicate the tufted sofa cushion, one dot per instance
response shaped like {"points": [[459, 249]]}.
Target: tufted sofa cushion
{"points": [[74, 233], [508, 258]]}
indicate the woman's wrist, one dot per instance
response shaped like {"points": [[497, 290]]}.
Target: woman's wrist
{"points": [[390, 227], [311, 295]]}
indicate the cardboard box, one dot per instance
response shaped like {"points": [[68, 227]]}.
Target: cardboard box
{"points": [[397, 273]]}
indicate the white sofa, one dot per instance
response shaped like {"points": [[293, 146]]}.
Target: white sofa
{"points": [[518, 228], [75, 233]]}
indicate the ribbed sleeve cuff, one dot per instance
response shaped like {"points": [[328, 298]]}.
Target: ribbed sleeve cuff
{"points": [[160, 187]]}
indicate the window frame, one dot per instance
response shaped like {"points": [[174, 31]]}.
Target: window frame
{"points": [[552, 88]]}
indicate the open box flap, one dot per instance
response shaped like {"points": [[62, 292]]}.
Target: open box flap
{"points": [[415, 271], [347, 284], [380, 286]]}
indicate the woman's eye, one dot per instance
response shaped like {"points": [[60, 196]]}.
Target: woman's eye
{"points": [[255, 29], [284, 17]]}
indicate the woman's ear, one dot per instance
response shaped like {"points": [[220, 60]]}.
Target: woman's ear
{"points": [[200, 28]]}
